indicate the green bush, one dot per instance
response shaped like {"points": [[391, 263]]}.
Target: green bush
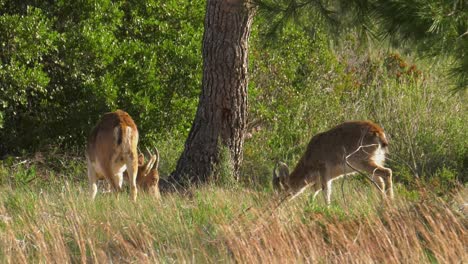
{"points": [[422, 120], [66, 63]]}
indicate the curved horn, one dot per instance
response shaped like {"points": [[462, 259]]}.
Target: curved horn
{"points": [[156, 152], [148, 152], [150, 162]]}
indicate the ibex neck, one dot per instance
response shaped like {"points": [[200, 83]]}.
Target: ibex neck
{"points": [[302, 175]]}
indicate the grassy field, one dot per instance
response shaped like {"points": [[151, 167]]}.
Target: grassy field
{"points": [[63, 66], [58, 223], [46, 215]]}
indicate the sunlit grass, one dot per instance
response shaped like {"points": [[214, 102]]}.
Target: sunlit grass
{"points": [[46, 214], [216, 224]]}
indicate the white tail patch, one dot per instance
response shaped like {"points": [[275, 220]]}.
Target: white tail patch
{"points": [[379, 156], [127, 139]]}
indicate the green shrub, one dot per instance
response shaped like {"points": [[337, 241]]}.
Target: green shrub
{"points": [[65, 63], [423, 122]]}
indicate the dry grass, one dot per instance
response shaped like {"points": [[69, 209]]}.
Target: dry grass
{"points": [[218, 225], [408, 233]]}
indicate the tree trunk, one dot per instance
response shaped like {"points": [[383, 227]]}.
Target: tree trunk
{"points": [[221, 116]]}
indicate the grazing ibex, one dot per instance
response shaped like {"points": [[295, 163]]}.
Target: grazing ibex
{"points": [[345, 149], [148, 175], [112, 149]]}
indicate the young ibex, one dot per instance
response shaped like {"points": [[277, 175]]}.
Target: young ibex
{"points": [[345, 149], [148, 175], [112, 149], [112, 157]]}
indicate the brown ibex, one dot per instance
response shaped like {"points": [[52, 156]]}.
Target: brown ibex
{"points": [[345, 149], [112, 149], [111, 152]]}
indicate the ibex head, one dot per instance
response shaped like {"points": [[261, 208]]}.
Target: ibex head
{"points": [[280, 174], [148, 175]]}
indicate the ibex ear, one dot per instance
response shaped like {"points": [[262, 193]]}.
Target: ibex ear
{"points": [[275, 174], [280, 172], [141, 159], [276, 179], [283, 170]]}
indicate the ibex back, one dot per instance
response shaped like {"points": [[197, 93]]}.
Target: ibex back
{"points": [[112, 149], [344, 149]]}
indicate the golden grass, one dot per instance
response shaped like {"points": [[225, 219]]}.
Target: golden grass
{"points": [[226, 225], [408, 233]]}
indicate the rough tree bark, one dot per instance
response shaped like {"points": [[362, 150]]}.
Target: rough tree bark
{"points": [[221, 116]]}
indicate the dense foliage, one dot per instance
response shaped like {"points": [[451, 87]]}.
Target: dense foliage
{"points": [[432, 28], [64, 63], [316, 87]]}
